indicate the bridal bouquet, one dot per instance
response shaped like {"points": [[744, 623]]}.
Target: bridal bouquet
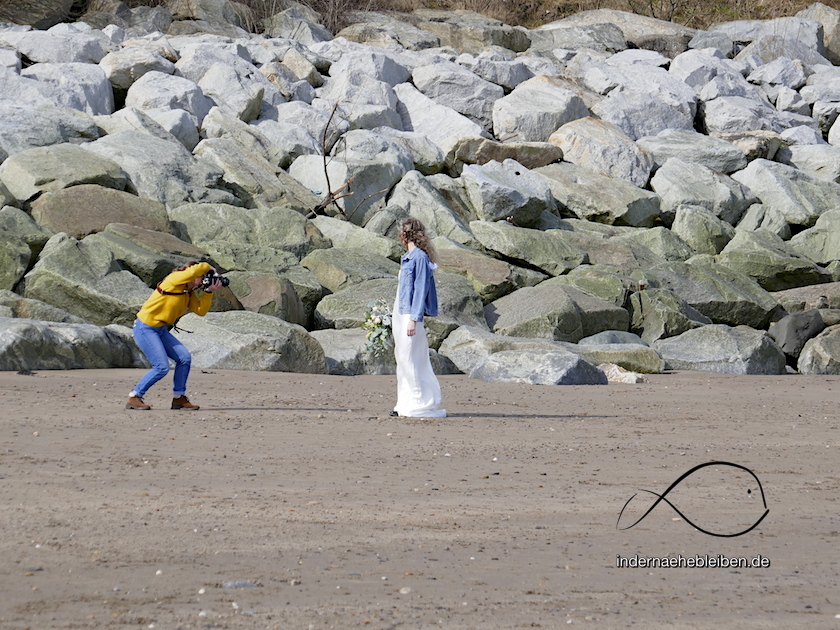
{"points": [[378, 327]]}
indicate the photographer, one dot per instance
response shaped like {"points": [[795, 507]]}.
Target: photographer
{"points": [[174, 296]]}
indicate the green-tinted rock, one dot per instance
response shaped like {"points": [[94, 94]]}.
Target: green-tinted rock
{"points": [[269, 294], [820, 243], [86, 209], [346, 309], [704, 232], [16, 222], [26, 308], [349, 235], [659, 313], [600, 281], [14, 259], [661, 241], [821, 355], [338, 268], [631, 356]]}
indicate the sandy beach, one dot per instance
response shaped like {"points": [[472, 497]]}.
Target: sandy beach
{"points": [[295, 501]]}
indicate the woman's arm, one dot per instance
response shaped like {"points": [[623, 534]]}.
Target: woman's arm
{"points": [[420, 287]]}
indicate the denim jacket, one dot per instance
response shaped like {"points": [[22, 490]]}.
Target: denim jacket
{"points": [[417, 295]]}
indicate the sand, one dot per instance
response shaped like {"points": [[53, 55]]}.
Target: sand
{"points": [[295, 501]]}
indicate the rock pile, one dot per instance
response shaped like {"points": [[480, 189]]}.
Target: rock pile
{"points": [[604, 189]]}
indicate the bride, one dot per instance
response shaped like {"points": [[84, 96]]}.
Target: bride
{"points": [[418, 390]]}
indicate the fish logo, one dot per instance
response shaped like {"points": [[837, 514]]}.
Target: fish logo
{"points": [[662, 498]]}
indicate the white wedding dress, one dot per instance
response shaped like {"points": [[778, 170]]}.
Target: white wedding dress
{"points": [[418, 389]]}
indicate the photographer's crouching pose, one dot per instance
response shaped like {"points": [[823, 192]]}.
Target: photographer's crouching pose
{"points": [[174, 296]]}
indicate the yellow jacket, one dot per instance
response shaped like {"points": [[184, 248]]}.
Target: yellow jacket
{"points": [[162, 310]]}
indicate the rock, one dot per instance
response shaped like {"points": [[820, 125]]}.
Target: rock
{"points": [[442, 125], [346, 354], [682, 183], [148, 254], [270, 294], [81, 86], [724, 350], [595, 197], [288, 141], [756, 144], [601, 37], [124, 66], [455, 86], [18, 225], [84, 279], [375, 63], [419, 199], [637, 357], [362, 100], [287, 83], [547, 251], [821, 355], [531, 155], [426, 155], [794, 330], [459, 306], [302, 67], [491, 278], [819, 160], [767, 218], [724, 295], [617, 374], [37, 345], [770, 261], [41, 14], [701, 229], [535, 109], [829, 18], [219, 124], [48, 169], [470, 32], [505, 72], [293, 24], [88, 208], [612, 337], [242, 340], [130, 119], [338, 268], [346, 309], [156, 90], [15, 257], [553, 310], [62, 43], [804, 298], [506, 190], [660, 313], [600, 281], [239, 94], [603, 147], [27, 126], [820, 243], [347, 235], [277, 228], [661, 241], [538, 367], [25, 308], [690, 146], [378, 29], [161, 170]]}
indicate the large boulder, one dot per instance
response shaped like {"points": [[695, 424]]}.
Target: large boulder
{"points": [[821, 355], [546, 251], [507, 190], [800, 197], [339, 268], [40, 14], [595, 197], [46, 169], [482, 150], [666, 244], [347, 355], [600, 281], [61, 43], [690, 146], [37, 345], [242, 340], [820, 243], [660, 313], [26, 308], [86, 209], [770, 261], [535, 109], [793, 331], [721, 349], [15, 257], [346, 308], [805, 298], [84, 278], [471, 32], [704, 232], [347, 235], [124, 66], [604, 148], [724, 295], [158, 90], [553, 310], [538, 367], [28, 125]]}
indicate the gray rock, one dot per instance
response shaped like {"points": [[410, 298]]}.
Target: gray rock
{"points": [[531, 155], [278, 228], [553, 310], [81, 86], [794, 330], [338, 268], [724, 295], [635, 357], [346, 309], [661, 313], [701, 229], [535, 109], [270, 294], [124, 66], [506, 73], [600, 281], [25, 308], [770, 218], [40, 15], [346, 354], [48, 169], [770, 261], [600, 37], [820, 243], [27, 126], [375, 63], [15, 257], [681, 183], [819, 296], [37, 345], [161, 170], [724, 350], [426, 155], [595, 197], [377, 29], [604, 148], [362, 99], [506, 190], [471, 32], [819, 160], [156, 90], [293, 24], [85, 279], [829, 18], [538, 367], [288, 141], [18, 224], [287, 83], [718, 40], [619, 337], [755, 144], [242, 340], [738, 114], [347, 235], [130, 119], [547, 251], [661, 241], [691, 146], [821, 355], [71, 44], [792, 45]]}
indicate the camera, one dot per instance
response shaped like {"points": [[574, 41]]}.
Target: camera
{"points": [[210, 277]]}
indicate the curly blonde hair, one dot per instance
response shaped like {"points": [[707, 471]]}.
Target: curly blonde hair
{"points": [[413, 231]]}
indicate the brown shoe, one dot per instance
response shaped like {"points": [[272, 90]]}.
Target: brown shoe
{"points": [[135, 402], [182, 402]]}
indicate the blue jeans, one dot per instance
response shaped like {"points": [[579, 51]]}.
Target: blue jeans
{"points": [[159, 345]]}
